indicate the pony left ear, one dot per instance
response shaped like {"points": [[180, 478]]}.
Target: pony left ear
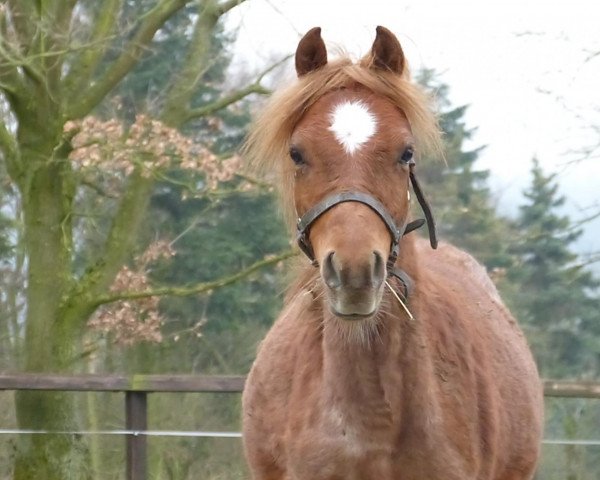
{"points": [[311, 52], [386, 52]]}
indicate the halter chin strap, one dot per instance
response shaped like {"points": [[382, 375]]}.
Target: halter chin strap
{"points": [[331, 201]]}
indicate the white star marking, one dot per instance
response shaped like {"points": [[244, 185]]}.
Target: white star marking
{"points": [[353, 124]]}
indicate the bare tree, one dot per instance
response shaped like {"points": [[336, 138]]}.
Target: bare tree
{"points": [[59, 60]]}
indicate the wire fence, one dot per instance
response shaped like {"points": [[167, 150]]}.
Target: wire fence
{"points": [[209, 434], [137, 388]]}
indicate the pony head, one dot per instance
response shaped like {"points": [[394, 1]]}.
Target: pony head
{"points": [[344, 139]]}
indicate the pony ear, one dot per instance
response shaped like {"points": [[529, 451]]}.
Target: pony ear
{"points": [[386, 52], [311, 52]]}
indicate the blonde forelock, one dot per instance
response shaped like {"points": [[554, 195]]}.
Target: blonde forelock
{"points": [[267, 146]]}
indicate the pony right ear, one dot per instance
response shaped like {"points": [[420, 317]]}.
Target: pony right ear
{"points": [[386, 52], [311, 53]]}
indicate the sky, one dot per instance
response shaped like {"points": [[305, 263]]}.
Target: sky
{"points": [[529, 70]]}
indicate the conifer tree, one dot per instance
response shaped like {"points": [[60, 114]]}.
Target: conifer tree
{"points": [[557, 299], [462, 202]]}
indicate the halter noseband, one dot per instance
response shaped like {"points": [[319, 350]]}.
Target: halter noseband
{"points": [[305, 222]]}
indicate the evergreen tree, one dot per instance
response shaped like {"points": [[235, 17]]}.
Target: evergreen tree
{"points": [[460, 197], [557, 298]]}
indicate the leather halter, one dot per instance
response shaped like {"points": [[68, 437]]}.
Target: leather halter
{"points": [[305, 222]]}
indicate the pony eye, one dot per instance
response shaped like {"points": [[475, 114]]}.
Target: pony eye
{"points": [[407, 155], [296, 156]]}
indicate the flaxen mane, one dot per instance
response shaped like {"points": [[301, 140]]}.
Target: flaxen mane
{"points": [[267, 146]]}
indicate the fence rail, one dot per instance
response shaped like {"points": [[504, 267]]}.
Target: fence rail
{"points": [[572, 389], [137, 387], [123, 383], [206, 383]]}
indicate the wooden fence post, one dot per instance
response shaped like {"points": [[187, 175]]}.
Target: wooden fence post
{"points": [[136, 418]]}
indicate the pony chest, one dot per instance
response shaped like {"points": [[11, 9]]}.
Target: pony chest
{"points": [[355, 443]]}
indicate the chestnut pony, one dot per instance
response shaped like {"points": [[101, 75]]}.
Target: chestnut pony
{"points": [[390, 359]]}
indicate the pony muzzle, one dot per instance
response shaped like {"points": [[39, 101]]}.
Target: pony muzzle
{"points": [[354, 288]]}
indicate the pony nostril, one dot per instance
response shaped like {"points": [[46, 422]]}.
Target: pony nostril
{"points": [[331, 276], [378, 269]]}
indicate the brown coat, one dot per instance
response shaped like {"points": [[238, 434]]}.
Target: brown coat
{"points": [[345, 385]]}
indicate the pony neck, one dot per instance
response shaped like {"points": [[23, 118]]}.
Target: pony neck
{"points": [[360, 357]]}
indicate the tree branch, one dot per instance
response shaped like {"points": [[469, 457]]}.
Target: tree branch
{"points": [[8, 145], [84, 182], [10, 150], [226, 101], [63, 6], [85, 64], [56, 16], [130, 56], [264, 185], [199, 288], [226, 6], [9, 77], [33, 46], [581, 222], [591, 56], [183, 84], [197, 62], [23, 18], [236, 96], [82, 299]]}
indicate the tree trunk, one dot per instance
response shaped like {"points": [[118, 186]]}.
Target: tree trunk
{"points": [[49, 343], [51, 457]]}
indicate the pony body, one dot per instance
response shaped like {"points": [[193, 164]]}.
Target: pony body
{"points": [[347, 385]]}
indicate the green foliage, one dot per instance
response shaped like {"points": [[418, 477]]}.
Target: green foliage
{"points": [[145, 88], [215, 333], [458, 191], [571, 419], [558, 299], [531, 259]]}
